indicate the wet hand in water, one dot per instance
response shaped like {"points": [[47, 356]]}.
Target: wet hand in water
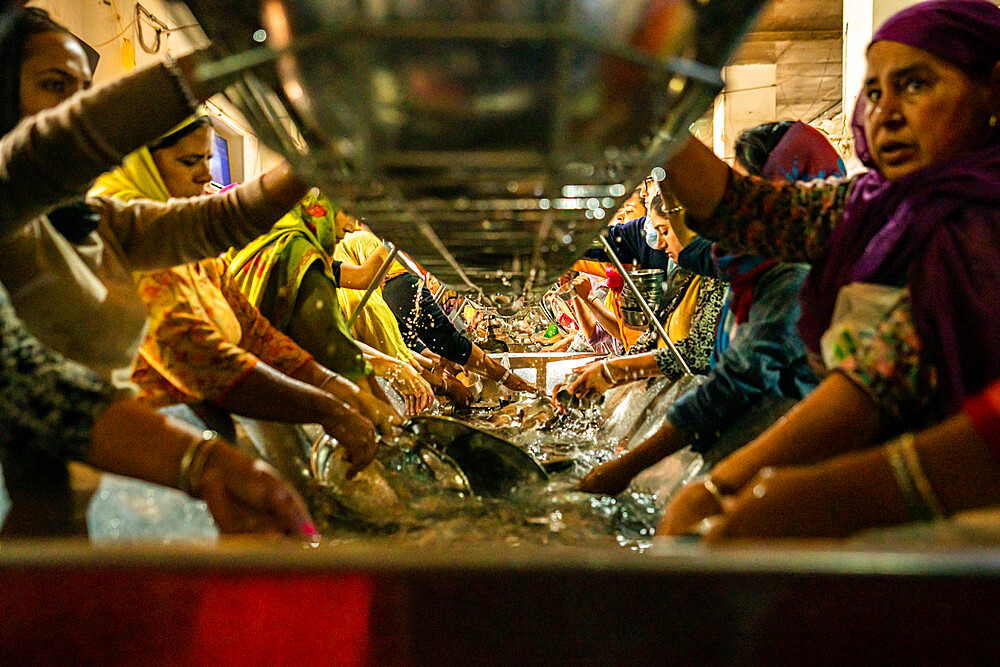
{"points": [[417, 393], [690, 506], [356, 433], [806, 501], [516, 383], [610, 478], [386, 419], [246, 495], [590, 382], [457, 391]]}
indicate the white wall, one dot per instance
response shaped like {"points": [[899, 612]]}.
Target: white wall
{"points": [[95, 22], [861, 19], [749, 99]]}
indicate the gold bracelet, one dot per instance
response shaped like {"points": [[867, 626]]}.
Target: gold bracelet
{"points": [[916, 507], [326, 381], [193, 463], [503, 378], [711, 487], [920, 480], [606, 372]]}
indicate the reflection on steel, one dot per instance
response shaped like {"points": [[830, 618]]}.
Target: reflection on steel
{"points": [[376, 283], [490, 140], [650, 315]]}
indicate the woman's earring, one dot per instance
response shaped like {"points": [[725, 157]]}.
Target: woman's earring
{"points": [[993, 121]]}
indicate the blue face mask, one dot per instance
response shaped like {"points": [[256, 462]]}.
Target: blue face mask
{"points": [[652, 236]]}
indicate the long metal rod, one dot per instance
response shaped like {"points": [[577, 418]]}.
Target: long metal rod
{"points": [[374, 286], [647, 311]]}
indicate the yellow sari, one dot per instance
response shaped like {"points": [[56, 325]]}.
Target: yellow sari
{"points": [[376, 325]]}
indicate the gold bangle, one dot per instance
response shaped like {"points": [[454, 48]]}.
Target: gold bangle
{"points": [[711, 487], [606, 372], [916, 507], [193, 463], [920, 481], [503, 378]]}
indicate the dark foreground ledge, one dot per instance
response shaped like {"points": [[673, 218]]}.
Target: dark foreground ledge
{"points": [[274, 603]]}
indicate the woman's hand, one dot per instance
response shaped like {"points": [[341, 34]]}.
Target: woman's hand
{"points": [[246, 495], [417, 393], [691, 505], [832, 499], [354, 432], [517, 383], [385, 417], [456, 391], [609, 478], [591, 381], [581, 286]]}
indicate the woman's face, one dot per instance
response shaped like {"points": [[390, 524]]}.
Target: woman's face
{"points": [[630, 210], [667, 240], [345, 224], [920, 109], [184, 167], [54, 68]]}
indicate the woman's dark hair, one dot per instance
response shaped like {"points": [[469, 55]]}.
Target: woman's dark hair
{"points": [[171, 139], [24, 25], [754, 146], [657, 204]]}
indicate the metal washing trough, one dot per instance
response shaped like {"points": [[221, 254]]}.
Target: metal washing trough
{"points": [[65, 603]]}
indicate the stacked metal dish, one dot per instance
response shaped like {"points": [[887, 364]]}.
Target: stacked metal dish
{"points": [[650, 283]]}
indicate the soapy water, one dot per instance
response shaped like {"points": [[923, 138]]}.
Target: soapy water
{"points": [[545, 512], [420, 510]]}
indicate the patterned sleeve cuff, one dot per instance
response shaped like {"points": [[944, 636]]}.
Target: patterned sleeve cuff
{"points": [[870, 386], [666, 362]]}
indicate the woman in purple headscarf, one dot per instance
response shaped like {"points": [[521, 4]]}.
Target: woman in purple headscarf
{"points": [[901, 297]]}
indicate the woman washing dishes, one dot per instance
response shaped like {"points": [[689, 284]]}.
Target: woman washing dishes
{"points": [[758, 352], [690, 318], [62, 140], [206, 341], [925, 220], [290, 274]]}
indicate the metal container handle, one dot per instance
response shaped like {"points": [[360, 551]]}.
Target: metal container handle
{"points": [[647, 311], [374, 286]]}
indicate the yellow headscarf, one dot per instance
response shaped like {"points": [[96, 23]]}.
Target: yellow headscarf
{"points": [[137, 177], [376, 325]]}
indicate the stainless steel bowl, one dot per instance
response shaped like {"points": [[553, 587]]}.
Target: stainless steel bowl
{"points": [[634, 318]]}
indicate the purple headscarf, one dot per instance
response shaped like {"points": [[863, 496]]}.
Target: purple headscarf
{"points": [[936, 230]]}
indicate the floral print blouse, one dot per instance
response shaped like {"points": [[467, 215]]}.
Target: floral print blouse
{"points": [[698, 345], [204, 336], [49, 402], [793, 223]]}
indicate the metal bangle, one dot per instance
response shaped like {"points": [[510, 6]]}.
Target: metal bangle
{"points": [[503, 378], [182, 83], [193, 463], [916, 508], [920, 480], [606, 372], [711, 487]]}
